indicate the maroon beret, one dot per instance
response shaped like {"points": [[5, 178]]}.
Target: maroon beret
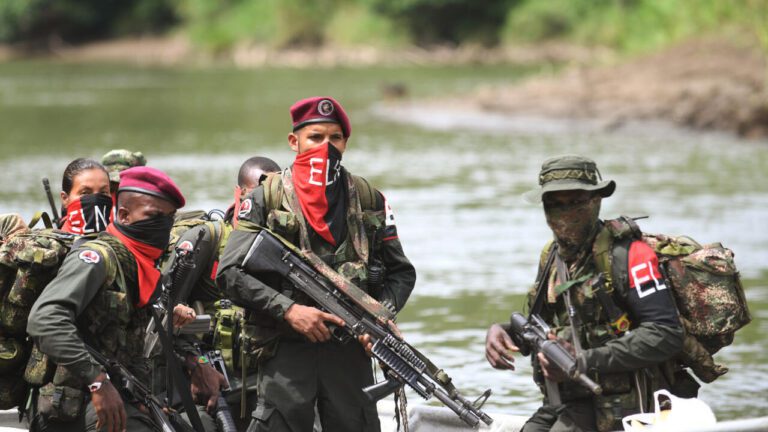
{"points": [[320, 109], [150, 181]]}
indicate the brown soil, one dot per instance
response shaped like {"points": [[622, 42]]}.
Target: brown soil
{"points": [[177, 50], [703, 84]]}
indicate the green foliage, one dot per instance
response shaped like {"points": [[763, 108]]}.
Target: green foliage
{"points": [[431, 22], [630, 25], [222, 24], [39, 21]]}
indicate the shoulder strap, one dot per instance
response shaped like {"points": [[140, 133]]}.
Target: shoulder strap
{"points": [[542, 277], [273, 190], [366, 192]]}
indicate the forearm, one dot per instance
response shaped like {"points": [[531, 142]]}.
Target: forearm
{"points": [[247, 291], [647, 345]]}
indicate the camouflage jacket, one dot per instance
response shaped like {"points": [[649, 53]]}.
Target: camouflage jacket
{"points": [[91, 300]]}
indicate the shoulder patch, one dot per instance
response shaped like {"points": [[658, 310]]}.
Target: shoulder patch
{"points": [[389, 215], [245, 208], [89, 256], [186, 245], [644, 274]]}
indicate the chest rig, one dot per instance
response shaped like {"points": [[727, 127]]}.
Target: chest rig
{"points": [[353, 256]]}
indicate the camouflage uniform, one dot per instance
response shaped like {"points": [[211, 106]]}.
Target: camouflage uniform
{"points": [[623, 364], [91, 299], [294, 375]]}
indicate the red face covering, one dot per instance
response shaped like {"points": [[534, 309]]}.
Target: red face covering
{"points": [[319, 184], [88, 214], [146, 256]]}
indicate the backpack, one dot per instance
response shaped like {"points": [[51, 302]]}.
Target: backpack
{"points": [[29, 260], [704, 282]]}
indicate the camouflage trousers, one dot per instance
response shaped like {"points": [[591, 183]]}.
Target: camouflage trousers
{"points": [[304, 375]]}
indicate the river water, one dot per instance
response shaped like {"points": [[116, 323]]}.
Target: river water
{"points": [[453, 178]]}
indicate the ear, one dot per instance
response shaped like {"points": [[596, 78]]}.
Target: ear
{"points": [[64, 198], [293, 142], [123, 216]]}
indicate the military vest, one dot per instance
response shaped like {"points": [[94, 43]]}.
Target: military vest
{"points": [[352, 257]]}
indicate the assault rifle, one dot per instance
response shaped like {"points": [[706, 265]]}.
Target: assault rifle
{"points": [[362, 314], [177, 285], [54, 212], [532, 335], [224, 419], [139, 391]]}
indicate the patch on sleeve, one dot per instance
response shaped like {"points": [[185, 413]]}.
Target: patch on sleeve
{"points": [[644, 274], [245, 208], [89, 257], [186, 245], [389, 215]]}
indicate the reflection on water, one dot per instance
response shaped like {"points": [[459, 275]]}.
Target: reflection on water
{"points": [[455, 191]]}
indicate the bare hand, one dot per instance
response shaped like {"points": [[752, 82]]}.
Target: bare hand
{"points": [[365, 339], [108, 404], [206, 385], [552, 372], [183, 315], [310, 322], [499, 348]]}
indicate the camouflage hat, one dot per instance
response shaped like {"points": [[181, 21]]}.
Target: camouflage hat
{"points": [[120, 159], [569, 172]]}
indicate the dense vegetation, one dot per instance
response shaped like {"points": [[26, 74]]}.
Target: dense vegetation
{"points": [[628, 25]]}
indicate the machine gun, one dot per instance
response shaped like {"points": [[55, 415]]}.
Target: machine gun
{"points": [[177, 285], [362, 314], [139, 391], [224, 419], [532, 335]]}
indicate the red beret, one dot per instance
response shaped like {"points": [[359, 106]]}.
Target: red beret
{"points": [[150, 181], [320, 109]]}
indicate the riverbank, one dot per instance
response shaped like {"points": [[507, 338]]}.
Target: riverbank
{"points": [[715, 83], [178, 51], [709, 84]]}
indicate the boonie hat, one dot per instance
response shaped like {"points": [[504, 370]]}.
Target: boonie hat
{"points": [[570, 172], [121, 159], [320, 109], [151, 181]]}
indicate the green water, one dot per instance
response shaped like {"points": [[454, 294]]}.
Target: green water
{"points": [[453, 178]]}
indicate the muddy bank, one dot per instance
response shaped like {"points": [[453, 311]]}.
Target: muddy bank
{"points": [[703, 84], [178, 51]]}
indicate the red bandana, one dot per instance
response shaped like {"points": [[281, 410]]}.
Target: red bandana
{"points": [[320, 188], [146, 256]]}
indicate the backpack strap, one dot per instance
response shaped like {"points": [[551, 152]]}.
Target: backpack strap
{"points": [[273, 190], [548, 259], [366, 192]]}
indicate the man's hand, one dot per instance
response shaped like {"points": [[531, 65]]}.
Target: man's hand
{"points": [[183, 315], [552, 372], [310, 322], [499, 348], [365, 340], [206, 384], [108, 404]]}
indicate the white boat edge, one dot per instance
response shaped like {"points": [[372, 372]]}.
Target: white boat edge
{"points": [[424, 418]]}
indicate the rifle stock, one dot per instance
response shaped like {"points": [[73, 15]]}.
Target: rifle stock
{"points": [[362, 315]]}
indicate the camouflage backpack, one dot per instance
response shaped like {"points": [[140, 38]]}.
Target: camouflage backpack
{"points": [[29, 260], [705, 285]]}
